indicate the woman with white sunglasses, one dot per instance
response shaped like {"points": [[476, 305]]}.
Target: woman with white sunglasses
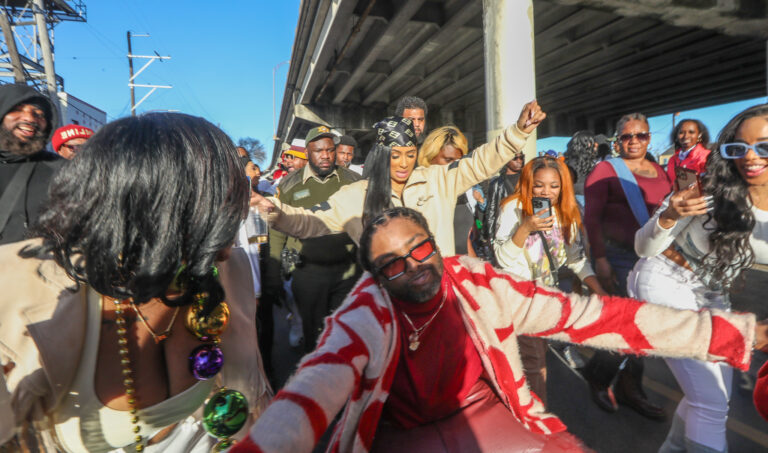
{"points": [[694, 249]]}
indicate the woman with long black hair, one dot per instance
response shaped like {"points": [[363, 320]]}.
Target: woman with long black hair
{"points": [[131, 308], [695, 248], [392, 179]]}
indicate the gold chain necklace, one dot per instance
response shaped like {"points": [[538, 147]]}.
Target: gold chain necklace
{"points": [[413, 338], [159, 338]]}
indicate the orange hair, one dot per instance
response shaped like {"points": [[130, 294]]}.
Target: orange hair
{"points": [[566, 208]]}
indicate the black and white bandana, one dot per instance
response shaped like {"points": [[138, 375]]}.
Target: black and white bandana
{"points": [[395, 131]]}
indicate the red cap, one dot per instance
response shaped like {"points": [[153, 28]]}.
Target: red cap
{"points": [[67, 133]]}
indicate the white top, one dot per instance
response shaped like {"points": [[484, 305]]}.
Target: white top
{"points": [[249, 237], [530, 262], [84, 423], [692, 236]]}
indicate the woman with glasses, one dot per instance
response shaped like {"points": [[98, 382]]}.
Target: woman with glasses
{"points": [[694, 250], [391, 178], [620, 195], [534, 242]]}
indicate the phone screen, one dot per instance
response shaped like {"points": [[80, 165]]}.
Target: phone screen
{"points": [[540, 203], [684, 177]]}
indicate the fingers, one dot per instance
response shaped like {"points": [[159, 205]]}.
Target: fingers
{"points": [[531, 116]]}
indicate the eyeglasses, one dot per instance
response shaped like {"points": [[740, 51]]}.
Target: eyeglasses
{"points": [[641, 136], [74, 148], [739, 150], [396, 266], [518, 157]]}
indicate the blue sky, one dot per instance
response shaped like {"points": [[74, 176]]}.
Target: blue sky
{"points": [[221, 65], [713, 117], [222, 62]]}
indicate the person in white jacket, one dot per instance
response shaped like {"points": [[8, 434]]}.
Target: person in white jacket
{"points": [[525, 241], [693, 250]]}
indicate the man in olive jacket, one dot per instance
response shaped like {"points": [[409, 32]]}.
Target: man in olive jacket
{"points": [[326, 269], [26, 168]]}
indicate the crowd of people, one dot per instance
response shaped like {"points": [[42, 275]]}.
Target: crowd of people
{"points": [[162, 293]]}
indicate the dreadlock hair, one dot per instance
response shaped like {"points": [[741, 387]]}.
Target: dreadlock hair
{"points": [[146, 196], [731, 220], [382, 219]]}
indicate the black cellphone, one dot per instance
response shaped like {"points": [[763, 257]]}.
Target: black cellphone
{"points": [[540, 203], [684, 177]]}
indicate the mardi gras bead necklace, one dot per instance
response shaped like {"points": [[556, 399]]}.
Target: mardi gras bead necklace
{"points": [[226, 411]]}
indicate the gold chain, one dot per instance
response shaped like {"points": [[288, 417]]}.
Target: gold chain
{"points": [[164, 334]]}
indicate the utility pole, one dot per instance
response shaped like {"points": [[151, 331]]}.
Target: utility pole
{"points": [[45, 48], [10, 42], [130, 71], [150, 59]]}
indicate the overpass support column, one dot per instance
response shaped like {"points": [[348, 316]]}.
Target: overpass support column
{"points": [[510, 71]]}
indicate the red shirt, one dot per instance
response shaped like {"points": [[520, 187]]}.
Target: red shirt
{"points": [[695, 160], [434, 381], [607, 214]]}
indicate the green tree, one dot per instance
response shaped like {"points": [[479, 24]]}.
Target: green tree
{"points": [[254, 148]]}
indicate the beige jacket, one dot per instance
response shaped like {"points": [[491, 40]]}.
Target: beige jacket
{"points": [[430, 190], [42, 331]]}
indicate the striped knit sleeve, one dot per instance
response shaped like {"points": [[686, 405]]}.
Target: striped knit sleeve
{"points": [[326, 379], [614, 323]]}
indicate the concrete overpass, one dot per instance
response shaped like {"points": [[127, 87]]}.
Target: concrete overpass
{"points": [[594, 60]]}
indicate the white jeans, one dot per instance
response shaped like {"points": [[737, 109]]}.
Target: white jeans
{"points": [[707, 386]]}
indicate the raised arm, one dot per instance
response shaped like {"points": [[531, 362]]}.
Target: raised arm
{"points": [[485, 161]]}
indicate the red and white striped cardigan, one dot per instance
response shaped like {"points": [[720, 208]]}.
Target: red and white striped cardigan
{"points": [[357, 354]]}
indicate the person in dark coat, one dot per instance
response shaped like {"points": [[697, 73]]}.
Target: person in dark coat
{"points": [[28, 121]]}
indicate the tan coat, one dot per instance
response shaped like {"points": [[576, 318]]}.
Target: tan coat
{"points": [[42, 331], [430, 190]]}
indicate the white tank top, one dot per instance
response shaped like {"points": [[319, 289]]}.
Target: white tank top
{"points": [[83, 423]]}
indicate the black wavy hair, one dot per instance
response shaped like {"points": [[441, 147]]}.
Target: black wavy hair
{"points": [[703, 131], [580, 153], [381, 219], [145, 196], [410, 102], [378, 195], [731, 222]]}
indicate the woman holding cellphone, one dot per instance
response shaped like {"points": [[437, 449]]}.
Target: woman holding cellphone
{"points": [[694, 249], [534, 244]]}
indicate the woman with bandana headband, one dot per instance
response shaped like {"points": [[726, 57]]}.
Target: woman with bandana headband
{"points": [[392, 179]]}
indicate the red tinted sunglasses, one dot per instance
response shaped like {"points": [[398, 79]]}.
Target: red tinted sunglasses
{"points": [[396, 266]]}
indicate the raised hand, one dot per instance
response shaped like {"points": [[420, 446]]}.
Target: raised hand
{"points": [[531, 116]]}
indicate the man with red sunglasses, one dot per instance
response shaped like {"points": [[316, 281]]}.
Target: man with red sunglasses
{"points": [[423, 354]]}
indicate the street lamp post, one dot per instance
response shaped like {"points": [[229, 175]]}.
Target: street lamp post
{"points": [[274, 113]]}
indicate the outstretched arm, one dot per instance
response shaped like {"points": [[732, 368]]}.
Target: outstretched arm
{"points": [[619, 324], [341, 212]]}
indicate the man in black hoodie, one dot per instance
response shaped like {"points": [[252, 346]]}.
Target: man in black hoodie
{"points": [[28, 121]]}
